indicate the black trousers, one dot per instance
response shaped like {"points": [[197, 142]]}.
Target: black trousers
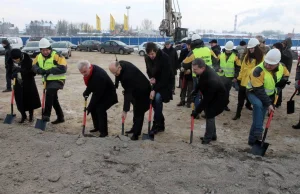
{"points": [[8, 79], [242, 96], [52, 100], [99, 117], [210, 130], [228, 85], [186, 90], [138, 118]]}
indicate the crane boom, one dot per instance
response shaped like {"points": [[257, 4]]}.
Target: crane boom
{"points": [[171, 24]]}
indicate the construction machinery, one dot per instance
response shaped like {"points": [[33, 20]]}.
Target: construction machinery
{"points": [[170, 26]]}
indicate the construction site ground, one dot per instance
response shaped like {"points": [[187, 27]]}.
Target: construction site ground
{"points": [[60, 160]]}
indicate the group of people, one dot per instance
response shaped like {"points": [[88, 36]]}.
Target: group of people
{"points": [[206, 78]]}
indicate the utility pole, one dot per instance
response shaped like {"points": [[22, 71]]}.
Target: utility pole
{"points": [[128, 7]]}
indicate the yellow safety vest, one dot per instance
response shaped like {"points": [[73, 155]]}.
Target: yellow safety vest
{"points": [[269, 83], [203, 53], [227, 66], [48, 64]]}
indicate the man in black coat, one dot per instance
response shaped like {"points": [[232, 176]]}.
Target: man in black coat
{"points": [[104, 94], [7, 61], [136, 91], [161, 77], [173, 57], [215, 97], [26, 93]]}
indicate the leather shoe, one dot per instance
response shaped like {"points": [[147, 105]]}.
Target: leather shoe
{"points": [[103, 135], [57, 121], [212, 139], [94, 130], [46, 118], [226, 109], [134, 137], [130, 131], [205, 142]]}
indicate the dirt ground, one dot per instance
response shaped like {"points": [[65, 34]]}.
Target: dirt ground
{"points": [[60, 161]]}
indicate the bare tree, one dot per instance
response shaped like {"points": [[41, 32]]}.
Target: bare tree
{"points": [[62, 27], [147, 24], [73, 29]]}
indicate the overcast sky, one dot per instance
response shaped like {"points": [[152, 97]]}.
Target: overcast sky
{"points": [[254, 15]]}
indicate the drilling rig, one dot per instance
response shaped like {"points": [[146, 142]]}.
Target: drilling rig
{"points": [[170, 26]]}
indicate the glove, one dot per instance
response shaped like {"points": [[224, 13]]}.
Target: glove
{"points": [[194, 114], [182, 69], [85, 93], [188, 71]]}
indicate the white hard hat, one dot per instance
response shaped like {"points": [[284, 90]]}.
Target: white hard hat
{"points": [[253, 42], [196, 37], [229, 46], [44, 43], [273, 57]]}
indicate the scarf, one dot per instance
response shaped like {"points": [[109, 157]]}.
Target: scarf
{"points": [[86, 78]]}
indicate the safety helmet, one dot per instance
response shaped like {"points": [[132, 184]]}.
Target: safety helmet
{"points": [[273, 57], [229, 46], [196, 37], [44, 43], [253, 42]]}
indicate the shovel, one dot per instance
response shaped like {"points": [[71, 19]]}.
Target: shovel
{"points": [[148, 136], [84, 119], [40, 124], [291, 104], [10, 117], [260, 147], [192, 124]]}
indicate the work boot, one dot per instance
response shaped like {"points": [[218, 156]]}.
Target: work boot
{"points": [[188, 105], [46, 118], [58, 120], [249, 107], [205, 141], [153, 130], [296, 126], [7, 90], [181, 103], [237, 114]]}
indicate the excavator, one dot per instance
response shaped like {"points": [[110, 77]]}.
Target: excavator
{"points": [[170, 26]]}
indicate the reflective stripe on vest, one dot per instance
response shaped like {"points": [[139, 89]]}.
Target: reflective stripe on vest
{"points": [[227, 66], [269, 83], [203, 53], [48, 64]]}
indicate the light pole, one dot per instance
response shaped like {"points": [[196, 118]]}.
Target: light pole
{"points": [[128, 7]]}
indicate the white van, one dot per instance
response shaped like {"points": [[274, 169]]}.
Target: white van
{"points": [[15, 42]]}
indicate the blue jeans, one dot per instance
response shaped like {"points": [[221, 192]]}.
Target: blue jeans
{"points": [[258, 116], [158, 108], [197, 99]]}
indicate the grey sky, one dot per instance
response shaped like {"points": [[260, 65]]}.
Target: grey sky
{"points": [[255, 15]]}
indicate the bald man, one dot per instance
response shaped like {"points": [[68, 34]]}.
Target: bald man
{"points": [[137, 89]]}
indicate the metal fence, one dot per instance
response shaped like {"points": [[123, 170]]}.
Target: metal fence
{"points": [[140, 40]]}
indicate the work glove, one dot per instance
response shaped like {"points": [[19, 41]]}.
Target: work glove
{"points": [[188, 72], [182, 69], [194, 114], [297, 84], [85, 93]]}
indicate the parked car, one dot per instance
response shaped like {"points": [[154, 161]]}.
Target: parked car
{"points": [[63, 47], [32, 48], [142, 47], [115, 46], [15, 42], [2, 50], [73, 46], [89, 45]]}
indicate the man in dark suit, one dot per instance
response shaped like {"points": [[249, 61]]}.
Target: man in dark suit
{"points": [[137, 89], [215, 97], [104, 94]]}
